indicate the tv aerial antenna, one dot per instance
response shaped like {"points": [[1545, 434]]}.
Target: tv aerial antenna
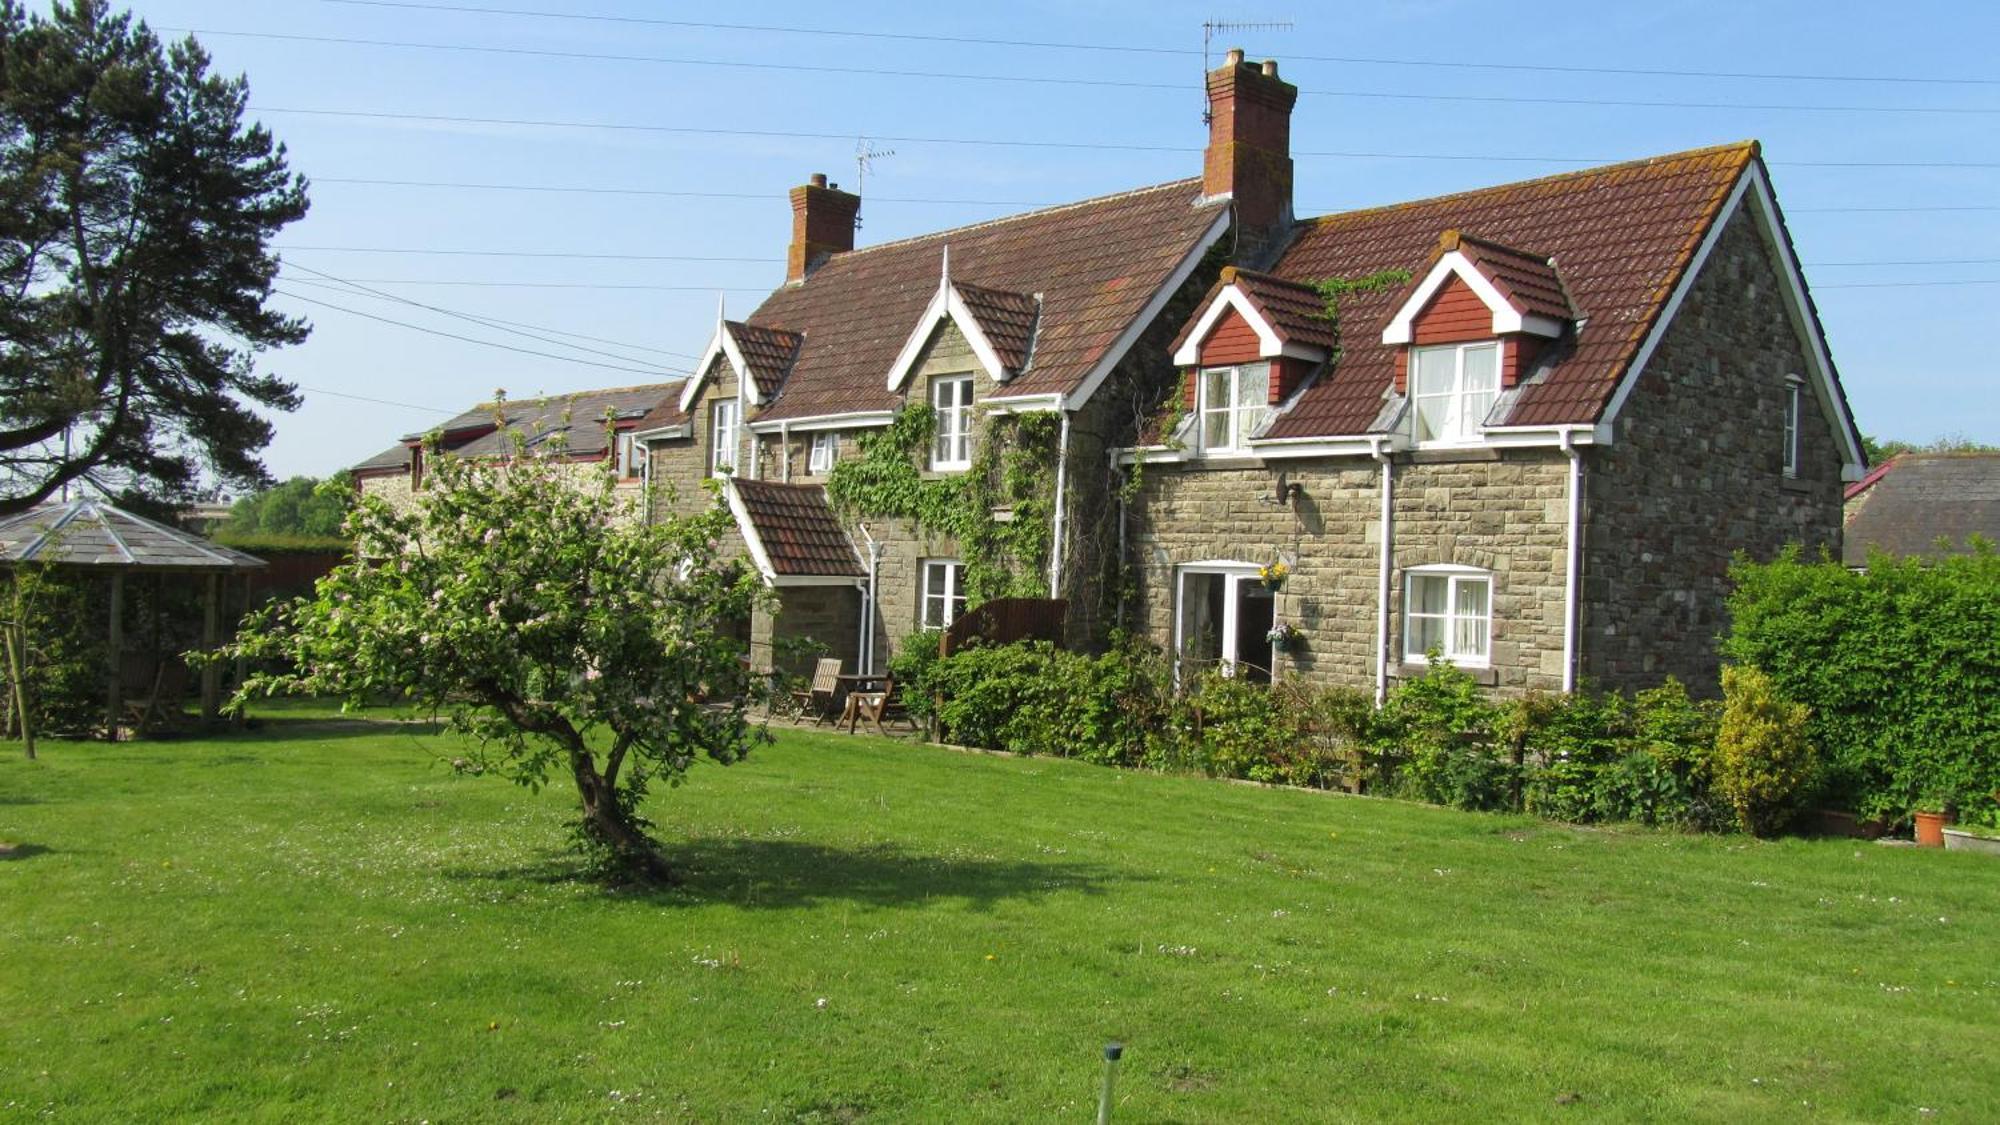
{"points": [[865, 156], [1210, 28]]}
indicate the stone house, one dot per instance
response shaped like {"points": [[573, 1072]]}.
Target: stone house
{"points": [[1530, 437], [594, 426]]}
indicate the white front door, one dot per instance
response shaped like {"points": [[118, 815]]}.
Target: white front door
{"points": [[1221, 618]]}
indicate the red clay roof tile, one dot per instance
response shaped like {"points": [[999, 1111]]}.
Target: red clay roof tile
{"points": [[800, 534]]}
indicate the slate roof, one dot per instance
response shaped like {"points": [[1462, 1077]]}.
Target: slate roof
{"points": [[1620, 235], [1916, 498], [1095, 265], [1295, 310], [768, 352], [578, 415], [797, 529], [1007, 319], [95, 534]]}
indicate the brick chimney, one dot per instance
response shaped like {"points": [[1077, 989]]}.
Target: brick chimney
{"points": [[1249, 156], [822, 226]]}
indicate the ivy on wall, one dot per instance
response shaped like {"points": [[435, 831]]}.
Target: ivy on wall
{"points": [[1001, 510]]}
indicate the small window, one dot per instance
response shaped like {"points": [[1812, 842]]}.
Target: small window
{"points": [[1232, 405], [952, 398], [1793, 398], [944, 592], [825, 453], [1449, 610], [630, 457], [1452, 389], [722, 431]]}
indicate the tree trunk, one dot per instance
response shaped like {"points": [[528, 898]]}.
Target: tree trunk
{"points": [[17, 673], [636, 852]]}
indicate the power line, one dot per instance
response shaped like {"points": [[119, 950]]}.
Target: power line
{"points": [[1074, 80], [763, 196], [999, 142], [560, 285], [358, 289], [376, 401], [1912, 262], [1894, 209], [654, 372], [480, 318], [1908, 284], [523, 254], [1449, 64]]}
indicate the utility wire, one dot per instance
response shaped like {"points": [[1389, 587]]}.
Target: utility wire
{"points": [[355, 288], [1127, 48], [1908, 284], [522, 254], [999, 142], [376, 401], [654, 372], [1073, 80], [480, 318], [559, 285], [1912, 262]]}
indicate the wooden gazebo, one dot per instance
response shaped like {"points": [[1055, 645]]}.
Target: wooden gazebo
{"points": [[93, 536]]}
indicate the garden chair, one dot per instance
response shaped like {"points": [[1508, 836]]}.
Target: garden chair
{"points": [[819, 697], [876, 706]]}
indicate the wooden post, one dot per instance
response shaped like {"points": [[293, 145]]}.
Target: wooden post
{"points": [[211, 672], [114, 696]]}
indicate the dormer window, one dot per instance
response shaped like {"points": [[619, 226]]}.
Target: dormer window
{"points": [[1452, 388], [951, 449], [1232, 405], [825, 452], [722, 431]]}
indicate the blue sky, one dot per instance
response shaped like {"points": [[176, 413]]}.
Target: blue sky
{"points": [[1911, 355]]}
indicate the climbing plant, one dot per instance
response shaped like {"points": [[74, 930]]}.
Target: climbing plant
{"points": [[1001, 510]]}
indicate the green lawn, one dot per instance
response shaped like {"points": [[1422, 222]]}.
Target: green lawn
{"points": [[319, 920]]}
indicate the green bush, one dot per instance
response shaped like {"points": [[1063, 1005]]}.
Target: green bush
{"points": [[1765, 764], [911, 667], [1899, 664]]}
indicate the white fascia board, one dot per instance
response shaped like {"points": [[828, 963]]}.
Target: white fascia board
{"points": [[699, 379], [933, 314], [745, 385], [1506, 318], [1272, 449], [815, 580], [852, 420], [1152, 455], [1532, 437], [1231, 297], [1023, 404], [748, 530], [1154, 307], [662, 433]]}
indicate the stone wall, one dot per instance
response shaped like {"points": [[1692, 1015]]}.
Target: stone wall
{"points": [[1696, 475], [828, 618], [1501, 514]]}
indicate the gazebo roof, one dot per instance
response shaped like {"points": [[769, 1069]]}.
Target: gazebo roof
{"points": [[94, 534]]}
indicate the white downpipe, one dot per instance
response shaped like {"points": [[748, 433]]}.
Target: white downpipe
{"points": [[1573, 543], [866, 653], [784, 450], [1387, 537], [1056, 534], [1117, 486]]}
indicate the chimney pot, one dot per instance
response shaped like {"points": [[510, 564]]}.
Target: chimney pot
{"points": [[1270, 68], [818, 179], [1234, 58]]}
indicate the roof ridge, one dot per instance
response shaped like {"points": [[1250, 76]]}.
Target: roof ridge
{"points": [[1749, 149], [1019, 215]]}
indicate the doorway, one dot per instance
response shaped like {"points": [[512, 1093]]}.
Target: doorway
{"points": [[1222, 619]]}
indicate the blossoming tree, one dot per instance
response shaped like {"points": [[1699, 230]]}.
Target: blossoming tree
{"points": [[534, 610]]}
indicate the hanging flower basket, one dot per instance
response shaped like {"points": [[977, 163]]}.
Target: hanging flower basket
{"points": [[1273, 576], [1286, 637]]}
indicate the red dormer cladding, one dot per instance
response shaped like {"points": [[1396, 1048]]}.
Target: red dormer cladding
{"points": [[1296, 337], [1522, 288]]}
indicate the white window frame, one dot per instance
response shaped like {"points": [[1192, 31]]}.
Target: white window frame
{"points": [[1232, 574], [1794, 417], [951, 448], [724, 417], [1454, 577], [951, 603], [823, 453], [1455, 434], [631, 457], [1234, 411]]}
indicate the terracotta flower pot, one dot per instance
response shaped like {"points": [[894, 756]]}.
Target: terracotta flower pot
{"points": [[1930, 829]]}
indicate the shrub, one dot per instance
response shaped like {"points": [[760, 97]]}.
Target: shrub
{"points": [[1900, 666], [1570, 743], [912, 667], [1765, 764]]}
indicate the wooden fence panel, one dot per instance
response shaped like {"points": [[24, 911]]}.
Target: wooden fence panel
{"points": [[1003, 621]]}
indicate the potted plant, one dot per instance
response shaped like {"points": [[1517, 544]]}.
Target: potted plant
{"points": [[1930, 817], [1285, 637], [1273, 575]]}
